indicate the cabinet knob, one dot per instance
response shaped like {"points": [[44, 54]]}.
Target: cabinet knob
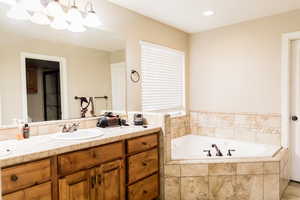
{"points": [[145, 191], [14, 178], [144, 143], [144, 163], [294, 118]]}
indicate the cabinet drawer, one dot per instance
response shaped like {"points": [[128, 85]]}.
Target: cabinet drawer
{"points": [[142, 165], [39, 192], [25, 175], [73, 162], [142, 143], [146, 189]]}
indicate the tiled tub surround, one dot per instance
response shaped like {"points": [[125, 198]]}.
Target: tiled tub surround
{"points": [[232, 179], [258, 128], [229, 178], [180, 126]]}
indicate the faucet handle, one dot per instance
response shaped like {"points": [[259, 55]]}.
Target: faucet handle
{"points": [[229, 152], [64, 128], [208, 153], [75, 126], [76, 123]]}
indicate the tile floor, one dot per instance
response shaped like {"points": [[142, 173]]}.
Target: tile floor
{"points": [[292, 192]]}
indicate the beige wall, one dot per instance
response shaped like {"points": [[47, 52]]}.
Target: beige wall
{"points": [[88, 72], [136, 27], [237, 68]]}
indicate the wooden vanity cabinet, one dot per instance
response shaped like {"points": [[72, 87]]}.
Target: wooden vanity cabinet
{"points": [[124, 170], [110, 181], [143, 168], [76, 186], [30, 181], [105, 182]]}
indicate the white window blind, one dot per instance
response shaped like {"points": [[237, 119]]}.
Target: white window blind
{"points": [[162, 78]]}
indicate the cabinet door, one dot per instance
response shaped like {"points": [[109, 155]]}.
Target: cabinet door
{"points": [[110, 178], [39, 192], [76, 186]]}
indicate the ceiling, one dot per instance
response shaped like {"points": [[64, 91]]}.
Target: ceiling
{"points": [[187, 15], [102, 39]]}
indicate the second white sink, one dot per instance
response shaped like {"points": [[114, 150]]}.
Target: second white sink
{"points": [[83, 134]]}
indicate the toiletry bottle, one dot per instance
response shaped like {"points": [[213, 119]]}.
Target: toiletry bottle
{"points": [[26, 131], [19, 135]]}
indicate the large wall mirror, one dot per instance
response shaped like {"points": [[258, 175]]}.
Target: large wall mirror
{"points": [[48, 74]]}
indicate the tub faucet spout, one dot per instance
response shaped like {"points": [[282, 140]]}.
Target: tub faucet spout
{"points": [[219, 153]]}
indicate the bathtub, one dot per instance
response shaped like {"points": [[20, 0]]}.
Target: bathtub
{"points": [[192, 147], [196, 175]]}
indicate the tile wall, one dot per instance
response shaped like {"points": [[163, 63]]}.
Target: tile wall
{"points": [[180, 126], [259, 128]]}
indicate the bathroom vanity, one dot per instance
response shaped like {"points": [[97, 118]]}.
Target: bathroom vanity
{"points": [[118, 167]]}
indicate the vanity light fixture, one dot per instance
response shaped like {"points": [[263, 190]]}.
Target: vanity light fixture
{"points": [[18, 12], [59, 23], [40, 18], [54, 14], [33, 5], [8, 2], [91, 19], [76, 27], [74, 14], [54, 9]]}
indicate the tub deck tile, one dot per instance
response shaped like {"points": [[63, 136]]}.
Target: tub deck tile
{"points": [[222, 169]]}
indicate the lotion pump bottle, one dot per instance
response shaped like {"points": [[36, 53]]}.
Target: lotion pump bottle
{"points": [[26, 131]]}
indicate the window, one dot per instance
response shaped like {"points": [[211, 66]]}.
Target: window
{"points": [[163, 72]]}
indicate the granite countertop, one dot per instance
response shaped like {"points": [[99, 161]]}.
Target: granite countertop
{"points": [[39, 147]]}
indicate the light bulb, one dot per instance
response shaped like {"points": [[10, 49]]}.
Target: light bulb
{"points": [[54, 9], [59, 23], [40, 18], [76, 27], [18, 12], [92, 20], [33, 5], [9, 2], [74, 15]]}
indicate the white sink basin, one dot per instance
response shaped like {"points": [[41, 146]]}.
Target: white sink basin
{"points": [[5, 151], [83, 134]]}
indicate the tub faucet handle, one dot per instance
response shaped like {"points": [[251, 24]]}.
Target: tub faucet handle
{"points": [[229, 152], [208, 153], [219, 153]]}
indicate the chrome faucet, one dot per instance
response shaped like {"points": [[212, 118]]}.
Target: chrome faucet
{"points": [[70, 129], [219, 153]]}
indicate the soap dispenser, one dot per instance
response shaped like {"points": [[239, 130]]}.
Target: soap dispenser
{"points": [[26, 131]]}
